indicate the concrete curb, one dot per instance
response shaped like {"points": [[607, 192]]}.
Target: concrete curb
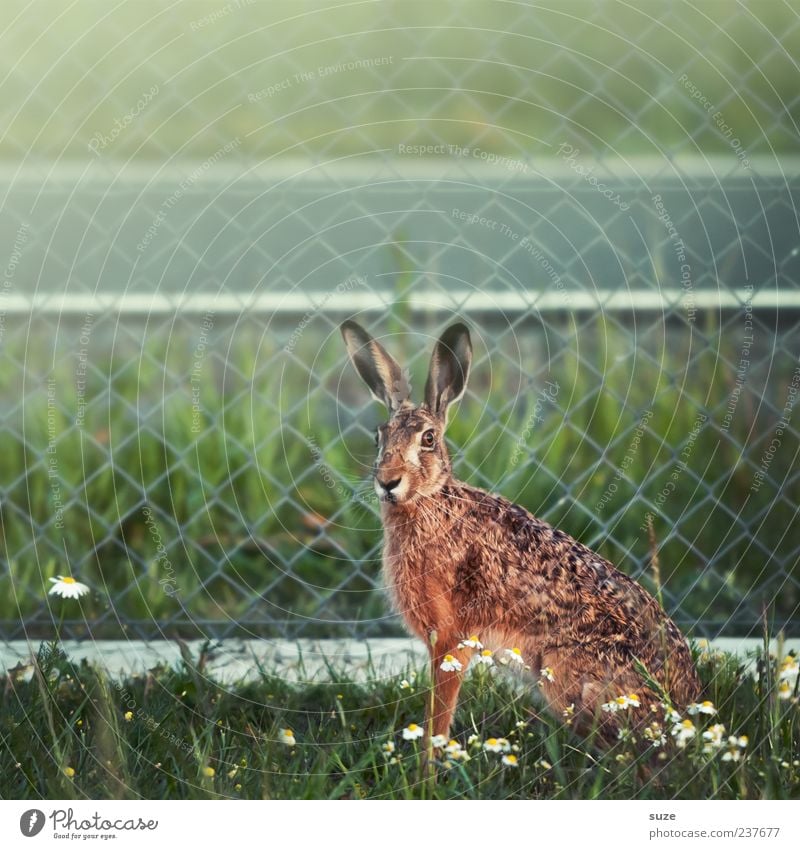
{"points": [[240, 661]]}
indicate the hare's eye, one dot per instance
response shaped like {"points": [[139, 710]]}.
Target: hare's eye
{"points": [[428, 439]]}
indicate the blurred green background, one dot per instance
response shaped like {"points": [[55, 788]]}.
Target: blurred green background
{"points": [[508, 76]]}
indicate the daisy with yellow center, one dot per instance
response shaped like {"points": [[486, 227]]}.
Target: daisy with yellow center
{"points": [[790, 668], [712, 738], [683, 732], [546, 674], [413, 732], [388, 749], [497, 744], [486, 658], [471, 643], [514, 655], [510, 760], [451, 664], [286, 736], [67, 587], [735, 747], [455, 752], [784, 690], [701, 707], [438, 741], [621, 703]]}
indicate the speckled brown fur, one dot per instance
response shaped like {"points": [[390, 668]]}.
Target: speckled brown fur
{"points": [[462, 561]]}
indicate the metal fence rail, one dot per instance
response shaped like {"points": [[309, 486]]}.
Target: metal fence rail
{"points": [[608, 196]]}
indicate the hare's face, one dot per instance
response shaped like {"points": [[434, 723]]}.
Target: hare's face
{"points": [[412, 458]]}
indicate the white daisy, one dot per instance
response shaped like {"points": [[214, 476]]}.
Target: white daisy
{"points": [[790, 668], [471, 643], [683, 732], [455, 752], [701, 707], [67, 587], [486, 658], [515, 655], [735, 747], [510, 760], [713, 738], [412, 732], [784, 690], [438, 741], [497, 744], [451, 664], [546, 673], [621, 703], [388, 749], [286, 736], [404, 684]]}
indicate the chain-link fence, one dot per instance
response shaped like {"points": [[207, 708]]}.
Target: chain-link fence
{"points": [[195, 195]]}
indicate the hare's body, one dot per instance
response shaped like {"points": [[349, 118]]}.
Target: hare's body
{"points": [[460, 561], [469, 562]]}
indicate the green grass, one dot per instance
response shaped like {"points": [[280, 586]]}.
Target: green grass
{"points": [[64, 734], [253, 531]]}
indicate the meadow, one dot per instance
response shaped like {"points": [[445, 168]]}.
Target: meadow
{"points": [[70, 731], [243, 498]]}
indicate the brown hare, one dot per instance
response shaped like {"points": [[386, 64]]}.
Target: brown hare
{"points": [[464, 563]]}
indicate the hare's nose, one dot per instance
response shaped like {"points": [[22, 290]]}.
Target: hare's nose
{"points": [[389, 485]]}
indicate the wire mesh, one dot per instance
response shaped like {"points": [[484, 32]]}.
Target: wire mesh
{"points": [[194, 197]]}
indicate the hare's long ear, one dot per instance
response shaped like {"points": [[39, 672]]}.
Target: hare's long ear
{"points": [[449, 371], [378, 370]]}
